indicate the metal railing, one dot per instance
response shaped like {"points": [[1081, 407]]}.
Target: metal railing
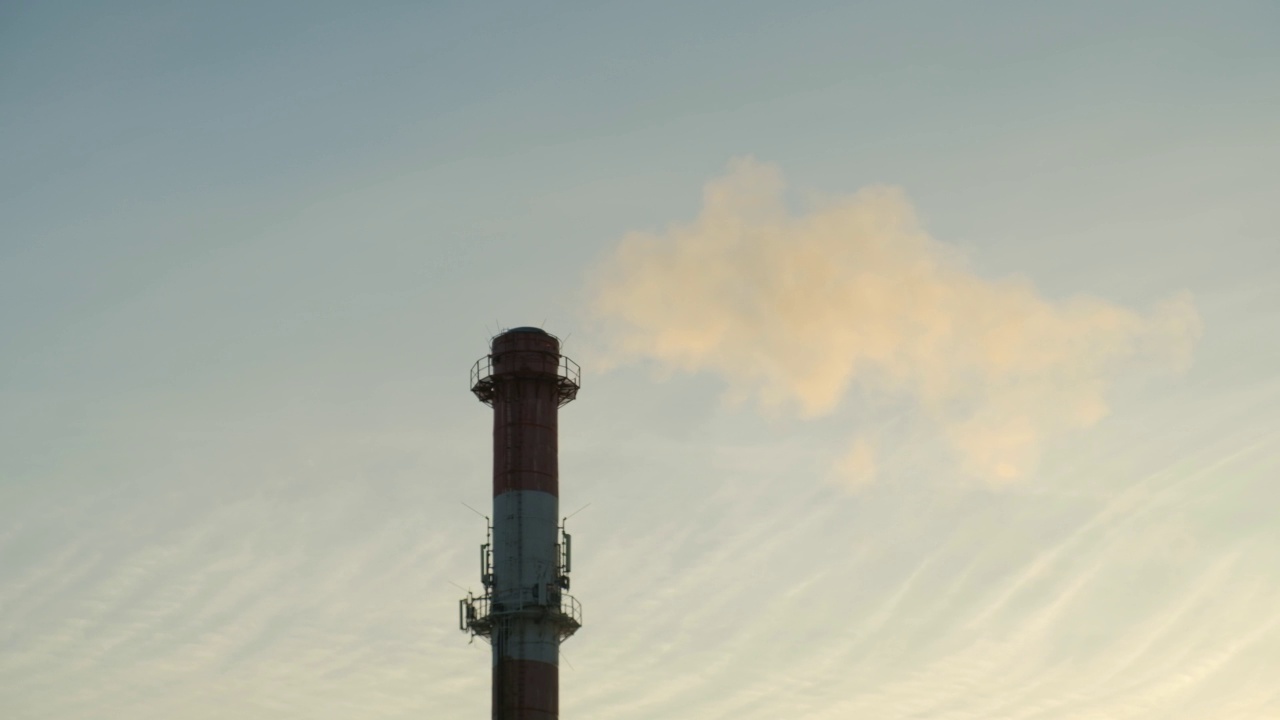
{"points": [[479, 615], [568, 378]]}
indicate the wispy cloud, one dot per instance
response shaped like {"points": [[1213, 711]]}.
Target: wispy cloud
{"points": [[711, 589], [796, 310], [788, 606]]}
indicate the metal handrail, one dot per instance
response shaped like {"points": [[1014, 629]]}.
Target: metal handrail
{"points": [[476, 614], [568, 379]]}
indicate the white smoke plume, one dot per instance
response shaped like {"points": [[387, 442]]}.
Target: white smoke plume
{"points": [[795, 310]]}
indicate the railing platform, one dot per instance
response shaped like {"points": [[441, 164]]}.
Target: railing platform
{"points": [[480, 615], [568, 378]]}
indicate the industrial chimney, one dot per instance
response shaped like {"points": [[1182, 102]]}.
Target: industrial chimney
{"points": [[526, 611]]}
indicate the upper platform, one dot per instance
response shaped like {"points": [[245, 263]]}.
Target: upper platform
{"points": [[525, 353]]}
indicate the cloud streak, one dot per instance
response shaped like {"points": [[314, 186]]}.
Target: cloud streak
{"points": [[796, 311]]}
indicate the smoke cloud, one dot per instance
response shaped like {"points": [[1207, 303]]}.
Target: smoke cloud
{"points": [[796, 311]]}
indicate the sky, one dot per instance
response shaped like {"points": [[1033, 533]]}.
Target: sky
{"points": [[929, 354]]}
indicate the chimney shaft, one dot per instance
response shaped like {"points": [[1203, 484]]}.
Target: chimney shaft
{"points": [[525, 612]]}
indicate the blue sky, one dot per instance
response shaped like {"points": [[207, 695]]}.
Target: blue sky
{"points": [[249, 252]]}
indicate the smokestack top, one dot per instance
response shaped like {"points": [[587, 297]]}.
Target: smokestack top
{"points": [[525, 339], [529, 353]]}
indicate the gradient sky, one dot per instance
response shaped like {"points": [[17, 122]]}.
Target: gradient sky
{"points": [[249, 251]]}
